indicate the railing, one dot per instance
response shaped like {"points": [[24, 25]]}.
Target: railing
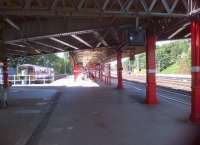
{"points": [[28, 79], [113, 79]]}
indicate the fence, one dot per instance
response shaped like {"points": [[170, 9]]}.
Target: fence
{"points": [[28, 79]]}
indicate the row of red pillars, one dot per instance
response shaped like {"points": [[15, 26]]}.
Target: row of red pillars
{"points": [[195, 52], [75, 71], [151, 97], [107, 73], [151, 70]]}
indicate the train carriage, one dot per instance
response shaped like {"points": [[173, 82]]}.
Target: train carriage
{"points": [[34, 73]]}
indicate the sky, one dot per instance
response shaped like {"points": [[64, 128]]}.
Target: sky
{"points": [[159, 43], [60, 54]]}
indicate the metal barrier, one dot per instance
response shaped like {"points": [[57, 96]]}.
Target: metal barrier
{"points": [[27, 79]]}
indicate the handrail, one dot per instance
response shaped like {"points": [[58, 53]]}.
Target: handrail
{"points": [[18, 79]]}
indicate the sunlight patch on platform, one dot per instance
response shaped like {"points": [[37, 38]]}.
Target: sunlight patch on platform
{"points": [[80, 82]]}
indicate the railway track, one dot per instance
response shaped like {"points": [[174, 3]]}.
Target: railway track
{"points": [[168, 95], [180, 83]]}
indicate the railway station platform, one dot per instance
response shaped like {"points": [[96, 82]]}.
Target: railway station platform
{"points": [[26, 110], [95, 114]]}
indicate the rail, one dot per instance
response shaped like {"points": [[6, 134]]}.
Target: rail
{"points": [[182, 82], [28, 79]]}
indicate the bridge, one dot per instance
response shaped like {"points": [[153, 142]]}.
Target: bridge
{"points": [[95, 33]]}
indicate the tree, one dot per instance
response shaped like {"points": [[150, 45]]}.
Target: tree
{"points": [[168, 54], [48, 60]]}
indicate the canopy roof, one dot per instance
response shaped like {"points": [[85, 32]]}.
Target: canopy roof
{"points": [[89, 29]]}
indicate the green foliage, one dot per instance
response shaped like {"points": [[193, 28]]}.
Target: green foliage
{"points": [[168, 54], [172, 69], [142, 61], [60, 65], [168, 57]]}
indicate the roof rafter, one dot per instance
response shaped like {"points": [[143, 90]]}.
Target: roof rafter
{"points": [[64, 43], [179, 30], [152, 5], [105, 4], [144, 4], [81, 40], [101, 39], [47, 46], [174, 6], [166, 5], [80, 5], [129, 5], [121, 5], [9, 21], [185, 3], [16, 50]]}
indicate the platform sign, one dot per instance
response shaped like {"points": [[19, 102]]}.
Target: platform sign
{"points": [[136, 37]]}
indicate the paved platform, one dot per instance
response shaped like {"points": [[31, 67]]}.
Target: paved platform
{"points": [[105, 116], [94, 114], [27, 108]]}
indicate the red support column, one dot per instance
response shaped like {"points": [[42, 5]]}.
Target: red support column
{"points": [[151, 70], [101, 77], [119, 70], [105, 74], [99, 69], [76, 71], [95, 72], [109, 75], [195, 40]]}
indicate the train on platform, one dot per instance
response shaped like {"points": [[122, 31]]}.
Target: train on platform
{"points": [[34, 73]]}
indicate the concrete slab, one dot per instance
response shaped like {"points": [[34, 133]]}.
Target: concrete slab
{"points": [[105, 116], [20, 119], [88, 113]]}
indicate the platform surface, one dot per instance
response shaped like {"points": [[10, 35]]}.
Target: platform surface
{"points": [[94, 114], [27, 108]]}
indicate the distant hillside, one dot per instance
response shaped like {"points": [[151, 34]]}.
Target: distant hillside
{"points": [[181, 66], [171, 58]]}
